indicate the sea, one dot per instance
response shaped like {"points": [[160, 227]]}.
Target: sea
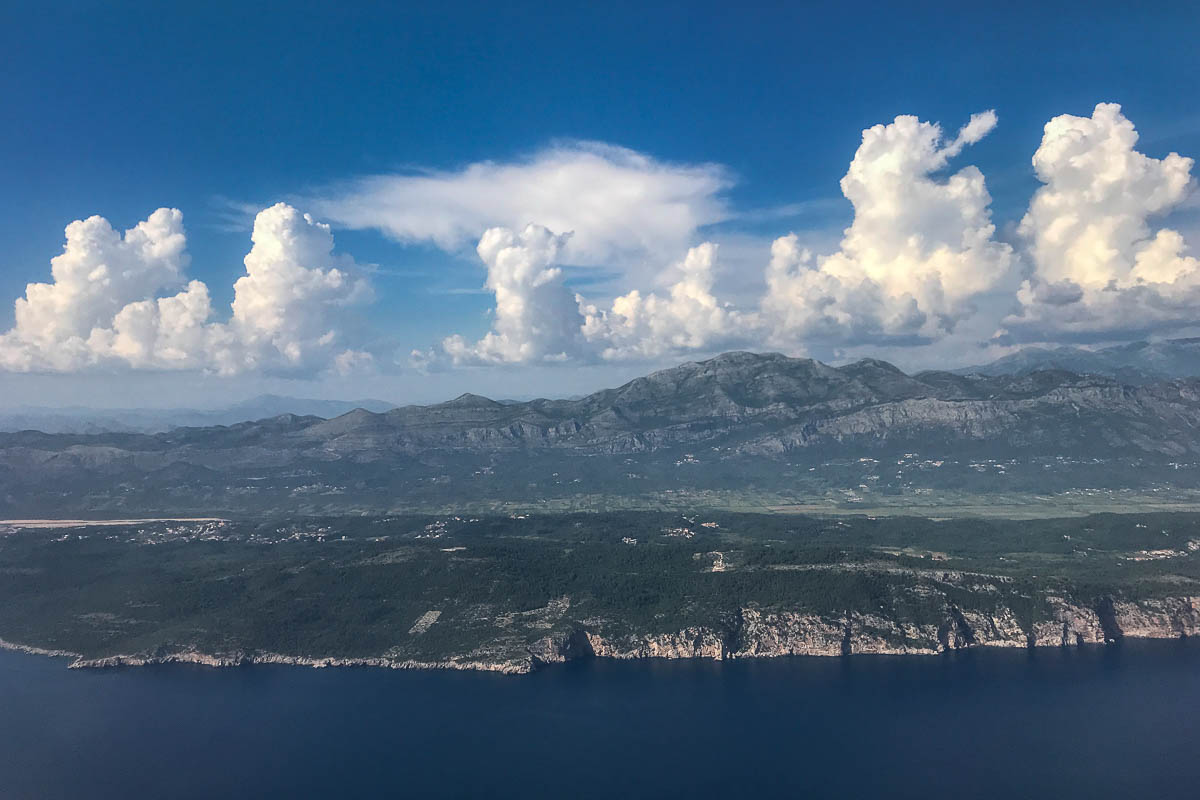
{"points": [[1091, 722]]}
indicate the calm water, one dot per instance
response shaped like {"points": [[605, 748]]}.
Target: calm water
{"points": [[1117, 722]]}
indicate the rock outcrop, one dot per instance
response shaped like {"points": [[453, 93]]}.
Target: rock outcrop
{"points": [[754, 633], [1069, 624], [1169, 618], [759, 633], [238, 659], [688, 643]]}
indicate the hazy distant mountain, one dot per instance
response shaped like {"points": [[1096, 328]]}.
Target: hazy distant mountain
{"points": [[270, 405], [1138, 363], [752, 421], [77, 419]]}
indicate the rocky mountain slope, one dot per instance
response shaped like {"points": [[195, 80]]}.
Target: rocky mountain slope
{"points": [[738, 407]]}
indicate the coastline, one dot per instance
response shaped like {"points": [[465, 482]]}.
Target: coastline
{"points": [[192, 656], [514, 667], [756, 634], [33, 650]]}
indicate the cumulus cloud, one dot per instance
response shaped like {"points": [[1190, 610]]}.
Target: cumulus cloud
{"points": [[687, 318], [918, 265], [537, 318], [101, 307], [288, 306], [919, 250], [621, 204], [1100, 270], [98, 273]]}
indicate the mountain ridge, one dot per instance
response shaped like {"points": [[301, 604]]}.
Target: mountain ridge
{"points": [[758, 421], [1135, 362], [81, 419]]}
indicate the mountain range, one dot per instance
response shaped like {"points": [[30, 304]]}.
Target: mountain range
{"points": [[756, 421], [78, 419], [1137, 362]]}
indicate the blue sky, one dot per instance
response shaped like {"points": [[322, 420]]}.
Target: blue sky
{"points": [[118, 109]]}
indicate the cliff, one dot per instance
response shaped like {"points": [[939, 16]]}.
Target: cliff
{"points": [[754, 633], [766, 634]]}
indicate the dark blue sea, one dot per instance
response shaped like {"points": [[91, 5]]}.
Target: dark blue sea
{"points": [[1080, 723]]}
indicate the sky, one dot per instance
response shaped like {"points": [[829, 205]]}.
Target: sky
{"points": [[408, 201]]}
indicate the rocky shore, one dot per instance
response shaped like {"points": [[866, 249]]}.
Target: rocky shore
{"points": [[754, 633], [36, 651], [239, 659], [765, 634]]}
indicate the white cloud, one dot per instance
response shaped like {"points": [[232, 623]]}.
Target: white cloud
{"points": [[688, 318], [806, 304], [167, 333], [918, 265], [1100, 270], [919, 250], [620, 204], [288, 305], [98, 273], [101, 308], [537, 318]]}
